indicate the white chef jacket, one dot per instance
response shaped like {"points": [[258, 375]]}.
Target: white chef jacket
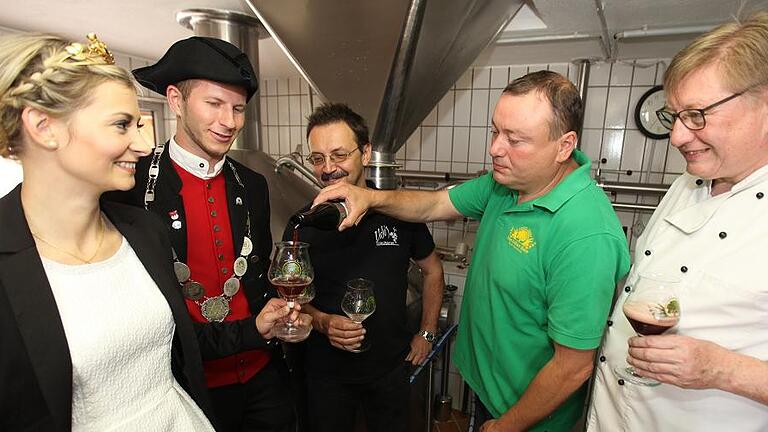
{"points": [[718, 247]]}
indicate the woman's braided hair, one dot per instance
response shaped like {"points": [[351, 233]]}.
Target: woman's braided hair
{"points": [[48, 73]]}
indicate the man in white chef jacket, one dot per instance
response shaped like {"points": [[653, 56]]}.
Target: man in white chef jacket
{"points": [[710, 232]]}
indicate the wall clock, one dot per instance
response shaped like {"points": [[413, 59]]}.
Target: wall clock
{"points": [[645, 113]]}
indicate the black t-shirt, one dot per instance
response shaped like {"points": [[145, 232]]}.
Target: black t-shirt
{"points": [[379, 249]]}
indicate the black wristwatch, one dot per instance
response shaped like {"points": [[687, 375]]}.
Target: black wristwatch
{"points": [[428, 336]]}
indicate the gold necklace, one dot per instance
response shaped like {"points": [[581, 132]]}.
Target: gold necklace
{"points": [[89, 259]]}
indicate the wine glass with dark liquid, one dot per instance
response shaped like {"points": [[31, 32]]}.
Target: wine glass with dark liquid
{"points": [[652, 308], [359, 303], [291, 273]]}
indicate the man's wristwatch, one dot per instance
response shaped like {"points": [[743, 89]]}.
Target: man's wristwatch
{"points": [[428, 336]]}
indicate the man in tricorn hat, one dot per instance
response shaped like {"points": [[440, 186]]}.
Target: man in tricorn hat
{"points": [[217, 214]]}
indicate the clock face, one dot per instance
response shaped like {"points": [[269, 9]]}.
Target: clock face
{"points": [[645, 113]]}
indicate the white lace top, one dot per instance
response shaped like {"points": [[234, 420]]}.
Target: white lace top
{"points": [[119, 329]]}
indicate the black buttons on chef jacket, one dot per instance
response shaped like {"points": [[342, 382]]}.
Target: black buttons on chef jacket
{"points": [[759, 195], [723, 234], [627, 289], [699, 182], [647, 253], [602, 359], [621, 382], [610, 323], [684, 269]]}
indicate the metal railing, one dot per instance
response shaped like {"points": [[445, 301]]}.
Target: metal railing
{"points": [[442, 346]]}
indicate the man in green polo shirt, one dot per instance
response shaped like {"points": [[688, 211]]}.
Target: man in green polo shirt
{"points": [[548, 255]]}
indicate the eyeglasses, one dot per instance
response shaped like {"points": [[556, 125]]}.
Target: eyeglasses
{"points": [[693, 119], [318, 159]]}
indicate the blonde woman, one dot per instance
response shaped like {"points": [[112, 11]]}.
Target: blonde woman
{"points": [[94, 333]]}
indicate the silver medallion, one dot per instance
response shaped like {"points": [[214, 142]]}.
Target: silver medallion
{"points": [[215, 309], [247, 247], [231, 286], [182, 271], [193, 290], [240, 266]]}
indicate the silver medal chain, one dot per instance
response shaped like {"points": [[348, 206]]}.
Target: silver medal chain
{"points": [[212, 308]]}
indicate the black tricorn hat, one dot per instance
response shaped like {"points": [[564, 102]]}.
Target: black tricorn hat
{"points": [[200, 58]]}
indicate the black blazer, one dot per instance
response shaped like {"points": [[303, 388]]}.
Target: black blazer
{"points": [[35, 365], [223, 339]]}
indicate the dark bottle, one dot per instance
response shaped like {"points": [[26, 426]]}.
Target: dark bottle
{"points": [[325, 216]]}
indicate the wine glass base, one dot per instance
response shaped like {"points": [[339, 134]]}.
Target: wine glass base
{"points": [[292, 333], [627, 373]]}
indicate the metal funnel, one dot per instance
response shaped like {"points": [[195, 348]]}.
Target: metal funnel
{"points": [[391, 60]]}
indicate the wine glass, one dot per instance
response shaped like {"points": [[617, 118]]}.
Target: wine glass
{"points": [[307, 295], [652, 307], [290, 273], [359, 303]]}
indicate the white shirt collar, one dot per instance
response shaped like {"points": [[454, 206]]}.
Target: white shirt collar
{"points": [[697, 215], [193, 164]]}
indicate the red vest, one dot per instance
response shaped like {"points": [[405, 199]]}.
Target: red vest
{"points": [[210, 254]]}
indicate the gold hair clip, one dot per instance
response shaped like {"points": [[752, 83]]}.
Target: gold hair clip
{"points": [[95, 53]]}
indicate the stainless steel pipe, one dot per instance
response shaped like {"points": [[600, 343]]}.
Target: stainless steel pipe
{"points": [[638, 188]]}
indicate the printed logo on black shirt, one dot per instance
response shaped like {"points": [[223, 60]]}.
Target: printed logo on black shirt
{"points": [[386, 236]]}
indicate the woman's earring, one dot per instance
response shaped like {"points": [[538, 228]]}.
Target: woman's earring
{"points": [[52, 144]]}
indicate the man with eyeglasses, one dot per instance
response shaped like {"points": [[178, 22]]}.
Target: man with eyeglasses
{"points": [[340, 381], [710, 231]]}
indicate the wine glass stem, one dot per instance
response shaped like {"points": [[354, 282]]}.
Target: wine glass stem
{"points": [[291, 304]]}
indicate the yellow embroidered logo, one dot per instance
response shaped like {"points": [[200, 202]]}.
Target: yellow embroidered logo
{"points": [[521, 239]]}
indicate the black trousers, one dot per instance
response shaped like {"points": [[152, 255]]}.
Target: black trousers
{"points": [[481, 416], [263, 404], [333, 406]]}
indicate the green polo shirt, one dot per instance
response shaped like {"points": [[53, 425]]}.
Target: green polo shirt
{"points": [[542, 271]]}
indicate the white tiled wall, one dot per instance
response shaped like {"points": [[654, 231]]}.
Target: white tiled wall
{"points": [[612, 140], [285, 105]]}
